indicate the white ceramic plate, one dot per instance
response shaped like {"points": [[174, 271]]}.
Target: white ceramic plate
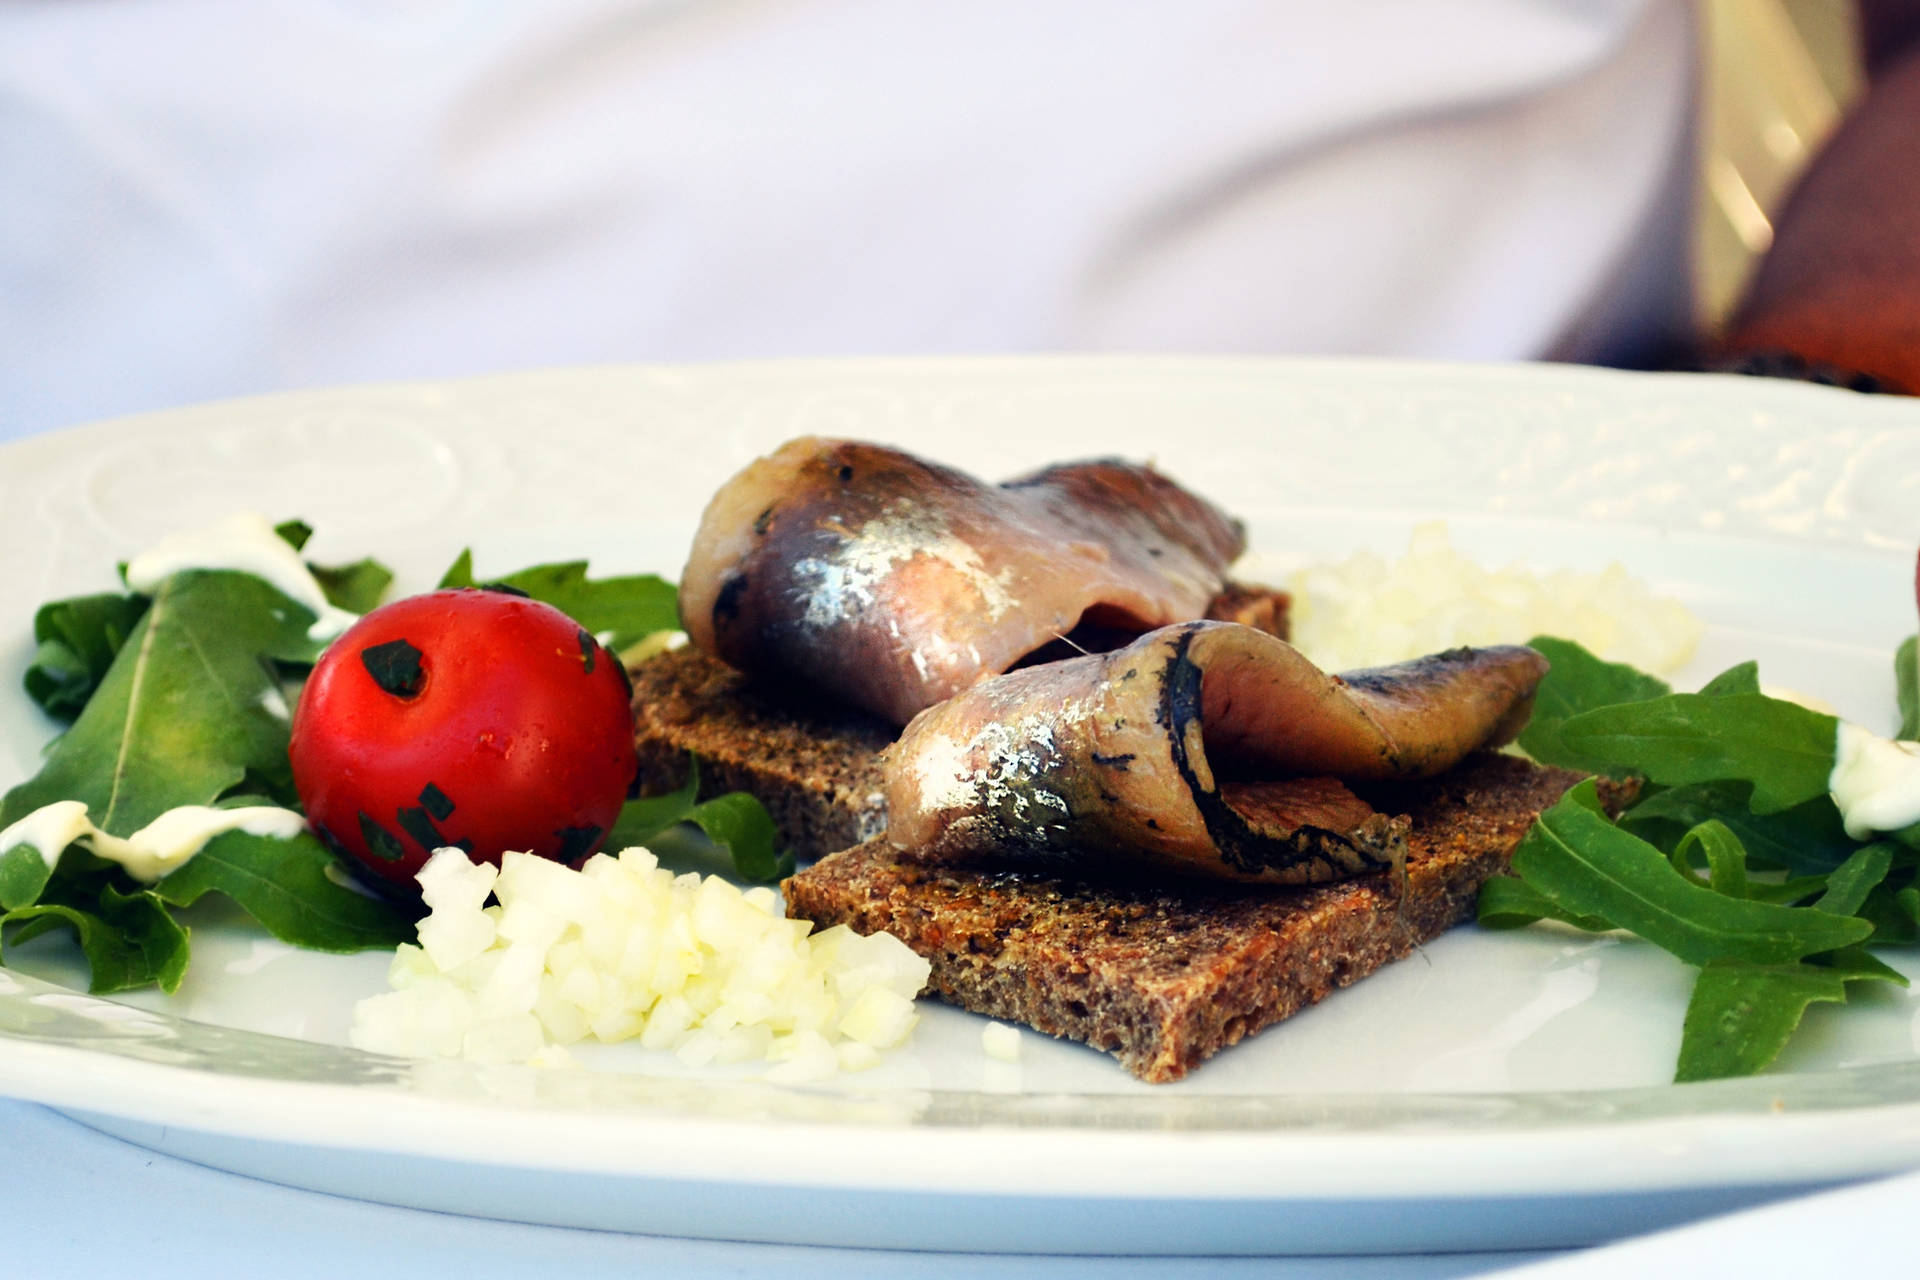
{"points": [[1489, 1092]]}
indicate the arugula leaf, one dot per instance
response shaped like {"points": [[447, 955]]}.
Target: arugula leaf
{"points": [[1741, 678], [741, 824], [23, 876], [1735, 782], [295, 533], [1587, 866], [1854, 963], [1577, 682], [1508, 902], [459, 573], [1787, 892], [735, 821], [129, 939], [1783, 749], [1906, 680], [1854, 879], [355, 587], [77, 641], [624, 609], [1807, 839], [288, 887], [643, 818], [1894, 915], [184, 713], [1741, 1015], [1725, 856]]}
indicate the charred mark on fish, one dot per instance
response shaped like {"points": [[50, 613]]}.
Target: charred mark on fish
{"points": [[1362, 841]]}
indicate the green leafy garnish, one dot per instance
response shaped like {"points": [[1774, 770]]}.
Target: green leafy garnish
{"points": [[622, 610], [735, 821], [1906, 681], [1508, 902], [1783, 750], [1576, 858], [77, 640], [295, 533], [1734, 858], [1806, 839], [289, 888], [188, 709], [1894, 914], [183, 699], [191, 711], [356, 587], [1741, 1015], [1854, 879], [1741, 678], [129, 939], [1576, 682]]}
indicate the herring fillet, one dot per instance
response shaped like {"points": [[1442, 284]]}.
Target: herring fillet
{"points": [[892, 583], [1204, 747]]}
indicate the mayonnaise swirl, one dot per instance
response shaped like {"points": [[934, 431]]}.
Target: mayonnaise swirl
{"points": [[244, 543], [1875, 781], [155, 849]]}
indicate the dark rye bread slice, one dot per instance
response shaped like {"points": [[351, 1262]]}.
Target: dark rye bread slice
{"points": [[811, 762], [1161, 975]]}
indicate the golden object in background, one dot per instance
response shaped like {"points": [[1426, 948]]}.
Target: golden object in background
{"points": [[1778, 75]]}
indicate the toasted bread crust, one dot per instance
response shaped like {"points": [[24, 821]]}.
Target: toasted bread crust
{"points": [[1262, 608], [1163, 976], [812, 764]]}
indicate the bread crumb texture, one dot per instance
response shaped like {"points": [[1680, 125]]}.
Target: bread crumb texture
{"points": [[1165, 975]]}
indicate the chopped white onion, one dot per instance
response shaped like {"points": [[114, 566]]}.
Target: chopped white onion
{"points": [[1366, 612], [1001, 1041], [623, 949]]}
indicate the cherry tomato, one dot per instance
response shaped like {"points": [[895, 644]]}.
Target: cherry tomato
{"points": [[474, 718]]}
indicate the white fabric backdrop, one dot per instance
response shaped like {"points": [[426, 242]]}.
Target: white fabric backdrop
{"points": [[208, 197]]}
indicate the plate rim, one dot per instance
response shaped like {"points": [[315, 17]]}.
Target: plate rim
{"points": [[1884, 1134]]}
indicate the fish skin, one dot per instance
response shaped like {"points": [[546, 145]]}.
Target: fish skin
{"points": [[893, 583], [1204, 747]]}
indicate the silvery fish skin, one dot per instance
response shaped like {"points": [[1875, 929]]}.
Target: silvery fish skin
{"points": [[893, 583], [1205, 747]]}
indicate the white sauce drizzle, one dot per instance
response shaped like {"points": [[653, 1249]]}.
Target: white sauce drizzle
{"points": [[246, 543], [1875, 781], [155, 849]]}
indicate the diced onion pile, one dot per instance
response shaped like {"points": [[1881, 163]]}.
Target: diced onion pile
{"points": [[1367, 612], [624, 949]]}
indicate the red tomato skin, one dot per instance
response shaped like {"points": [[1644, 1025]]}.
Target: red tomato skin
{"points": [[521, 724]]}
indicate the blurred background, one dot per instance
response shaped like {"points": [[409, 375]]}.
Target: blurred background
{"points": [[215, 200], [1778, 75]]}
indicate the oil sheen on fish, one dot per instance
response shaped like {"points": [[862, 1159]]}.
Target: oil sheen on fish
{"points": [[1207, 747], [894, 583]]}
